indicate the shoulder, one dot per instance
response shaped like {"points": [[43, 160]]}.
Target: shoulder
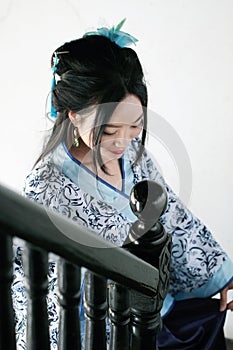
{"points": [[43, 178], [46, 185]]}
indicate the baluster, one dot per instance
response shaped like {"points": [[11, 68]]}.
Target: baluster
{"points": [[35, 264], [119, 315], [148, 240], [95, 307], [69, 279], [7, 327]]}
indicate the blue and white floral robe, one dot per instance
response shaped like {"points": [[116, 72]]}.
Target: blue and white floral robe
{"points": [[200, 267]]}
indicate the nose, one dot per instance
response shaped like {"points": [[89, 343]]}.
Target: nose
{"points": [[123, 138], [120, 143]]}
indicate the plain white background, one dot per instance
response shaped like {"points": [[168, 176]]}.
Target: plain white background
{"points": [[186, 49]]}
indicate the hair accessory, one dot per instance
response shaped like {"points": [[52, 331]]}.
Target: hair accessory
{"points": [[122, 39], [76, 142], [53, 112]]}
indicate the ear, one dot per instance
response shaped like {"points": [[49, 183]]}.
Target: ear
{"points": [[73, 117]]}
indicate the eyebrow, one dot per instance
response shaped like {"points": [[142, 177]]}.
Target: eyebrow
{"points": [[118, 126]]}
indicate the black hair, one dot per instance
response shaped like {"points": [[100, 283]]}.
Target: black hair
{"points": [[94, 70]]}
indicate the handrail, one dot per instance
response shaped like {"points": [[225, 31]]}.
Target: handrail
{"points": [[41, 226]]}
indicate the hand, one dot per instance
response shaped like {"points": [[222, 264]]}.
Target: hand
{"points": [[223, 298]]}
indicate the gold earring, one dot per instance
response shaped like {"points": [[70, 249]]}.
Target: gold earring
{"points": [[76, 142]]}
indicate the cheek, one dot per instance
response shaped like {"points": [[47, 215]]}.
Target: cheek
{"points": [[106, 141], [136, 132]]}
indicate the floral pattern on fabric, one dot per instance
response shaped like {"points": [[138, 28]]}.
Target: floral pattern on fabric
{"points": [[196, 256], [20, 302]]}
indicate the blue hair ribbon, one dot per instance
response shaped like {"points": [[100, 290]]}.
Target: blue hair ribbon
{"points": [[122, 39]]}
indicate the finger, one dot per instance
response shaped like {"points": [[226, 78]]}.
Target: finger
{"points": [[230, 305], [223, 300]]}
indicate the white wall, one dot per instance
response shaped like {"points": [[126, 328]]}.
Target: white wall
{"points": [[186, 48]]}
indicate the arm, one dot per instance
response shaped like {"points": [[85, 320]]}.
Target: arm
{"points": [[200, 267]]}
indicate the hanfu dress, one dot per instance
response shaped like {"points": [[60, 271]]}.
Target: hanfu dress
{"points": [[200, 267]]}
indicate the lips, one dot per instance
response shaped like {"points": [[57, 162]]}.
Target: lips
{"points": [[118, 152]]}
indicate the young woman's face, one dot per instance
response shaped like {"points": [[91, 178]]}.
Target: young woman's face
{"points": [[125, 124]]}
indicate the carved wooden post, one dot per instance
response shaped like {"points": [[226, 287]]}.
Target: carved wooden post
{"points": [[119, 315], [148, 240], [95, 307], [7, 327], [69, 279], [35, 264]]}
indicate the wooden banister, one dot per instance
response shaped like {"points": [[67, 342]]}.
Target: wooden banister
{"points": [[137, 274], [46, 229], [7, 332]]}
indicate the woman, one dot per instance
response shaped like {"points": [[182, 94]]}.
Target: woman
{"points": [[90, 163]]}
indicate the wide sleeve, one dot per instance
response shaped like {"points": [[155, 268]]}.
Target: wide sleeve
{"points": [[200, 267]]}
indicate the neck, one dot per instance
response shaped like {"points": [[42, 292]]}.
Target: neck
{"points": [[84, 155]]}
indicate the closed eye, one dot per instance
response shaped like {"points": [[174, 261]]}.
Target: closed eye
{"points": [[109, 133], [119, 126], [136, 126]]}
